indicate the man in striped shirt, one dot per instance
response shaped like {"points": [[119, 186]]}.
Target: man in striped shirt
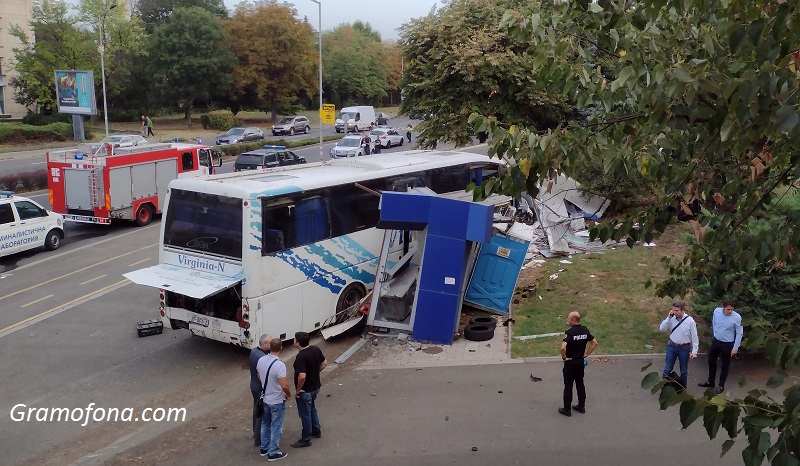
{"points": [[683, 341]]}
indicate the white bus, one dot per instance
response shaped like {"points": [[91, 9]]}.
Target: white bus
{"points": [[284, 250]]}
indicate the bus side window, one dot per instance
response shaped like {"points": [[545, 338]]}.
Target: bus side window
{"points": [[278, 226], [353, 209], [187, 161], [404, 183], [449, 179], [311, 222]]}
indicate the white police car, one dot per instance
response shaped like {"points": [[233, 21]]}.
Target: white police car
{"points": [[24, 225]]}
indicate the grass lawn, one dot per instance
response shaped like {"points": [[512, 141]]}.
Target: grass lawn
{"points": [[607, 289]]}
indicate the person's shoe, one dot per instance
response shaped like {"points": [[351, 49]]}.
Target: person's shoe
{"points": [[705, 384], [579, 409], [719, 390], [277, 456], [317, 434], [262, 452], [565, 412], [301, 444]]}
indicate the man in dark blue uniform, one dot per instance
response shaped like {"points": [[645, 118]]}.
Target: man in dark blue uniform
{"points": [[573, 352]]}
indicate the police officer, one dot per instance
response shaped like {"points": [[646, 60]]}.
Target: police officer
{"points": [[573, 352]]}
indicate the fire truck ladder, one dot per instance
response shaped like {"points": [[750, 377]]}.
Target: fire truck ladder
{"points": [[96, 186]]}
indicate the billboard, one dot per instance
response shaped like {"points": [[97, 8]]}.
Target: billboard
{"points": [[75, 92]]}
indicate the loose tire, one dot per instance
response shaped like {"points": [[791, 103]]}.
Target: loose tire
{"points": [[53, 240], [477, 332], [483, 320], [307, 129], [291, 131], [144, 215]]}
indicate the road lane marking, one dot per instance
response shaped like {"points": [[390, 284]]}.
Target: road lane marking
{"points": [[95, 278], [73, 273], [38, 163], [139, 262], [34, 302], [60, 307]]}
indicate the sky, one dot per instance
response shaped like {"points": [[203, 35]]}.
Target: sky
{"points": [[385, 16]]}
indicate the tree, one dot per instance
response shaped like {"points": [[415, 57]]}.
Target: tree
{"points": [[189, 58], [58, 45], [155, 12], [457, 62], [277, 55], [355, 63], [711, 102]]}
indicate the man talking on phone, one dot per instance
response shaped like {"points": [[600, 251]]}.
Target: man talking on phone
{"points": [[683, 342]]}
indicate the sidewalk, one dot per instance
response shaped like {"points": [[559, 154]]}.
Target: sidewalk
{"points": [[493, 413]]}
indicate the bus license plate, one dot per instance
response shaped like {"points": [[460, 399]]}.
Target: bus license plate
{"points": [[203, 321]]}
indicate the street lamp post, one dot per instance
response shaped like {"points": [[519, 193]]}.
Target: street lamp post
{"points": [[103, 59], [319, 3]]}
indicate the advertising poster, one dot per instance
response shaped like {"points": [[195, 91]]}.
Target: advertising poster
{"points": [[75, 92]]}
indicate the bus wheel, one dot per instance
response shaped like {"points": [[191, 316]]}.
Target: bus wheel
{"points": [[144, 215], [350, 297], [52, 241]]}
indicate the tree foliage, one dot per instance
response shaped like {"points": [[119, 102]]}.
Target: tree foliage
{"points": [[58, 45], [710, 95], [189, 58], [277, 56], [356, 64], [156, 12], [457, 61]]}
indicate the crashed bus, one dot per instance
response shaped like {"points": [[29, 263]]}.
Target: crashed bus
{"points": [[287, 249]]}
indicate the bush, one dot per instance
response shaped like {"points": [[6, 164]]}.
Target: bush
{"points": [[25, 181], [238, 122], [221, 120], [18, 133], [205, 121], [37, 119]]}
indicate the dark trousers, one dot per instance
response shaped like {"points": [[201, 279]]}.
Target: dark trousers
{"points": [[150, 132], [256, 419], [573, 374], [719, 350], [408, 135]]}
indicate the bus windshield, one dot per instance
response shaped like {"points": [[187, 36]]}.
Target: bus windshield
{"points": [[205, 223]]}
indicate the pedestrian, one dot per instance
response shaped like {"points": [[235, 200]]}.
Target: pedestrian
{"points": [[255, 384], [308, 364], [408, 132], [366, 142], [727, 325], [573, 353], [150, 127], [143, 129], [272, 372], [377, 149], [683, 341]]}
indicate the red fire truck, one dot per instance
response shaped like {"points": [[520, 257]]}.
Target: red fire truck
{"points": [[121, 183]]}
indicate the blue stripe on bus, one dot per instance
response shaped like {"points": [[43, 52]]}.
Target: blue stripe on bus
{"points": [[347, 268], [312, 271]]}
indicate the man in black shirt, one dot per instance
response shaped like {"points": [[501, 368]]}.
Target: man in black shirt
{"points": [[308, 363], [255, 383], [573, 352]]}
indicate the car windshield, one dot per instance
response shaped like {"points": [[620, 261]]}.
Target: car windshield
{"points": [[285, 121], [113, 139], [235, 132], [251, 159], [377, 132], [349, 142], [347, 116]]}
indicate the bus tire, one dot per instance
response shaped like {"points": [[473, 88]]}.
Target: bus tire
{"points": [[53, 240], [144, 215], [351, 295], [477, 332]]}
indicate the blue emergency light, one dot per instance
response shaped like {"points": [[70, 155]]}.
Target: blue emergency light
{"points": [[78, 156], [273, 147]]}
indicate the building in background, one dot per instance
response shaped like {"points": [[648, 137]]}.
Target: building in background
{"points": [[12, 12]]}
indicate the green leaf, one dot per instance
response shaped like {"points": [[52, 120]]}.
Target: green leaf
{"points": [[726, 445], [712, 420], [786, 118], [777, 379], [647, 366], [650, 379], [690, 411], [792, 400], [681, 74], [758, 421], [595, 8], [730, 420]]}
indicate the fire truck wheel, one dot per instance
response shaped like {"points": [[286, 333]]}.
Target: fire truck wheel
{"points": [[144, 215], [53, 240]]}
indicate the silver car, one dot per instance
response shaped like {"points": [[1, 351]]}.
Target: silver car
{"points": [[240, 134], [291, 125], [348, 146]]}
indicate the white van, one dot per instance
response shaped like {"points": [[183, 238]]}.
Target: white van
{"points": [[24, 225], [358, 118]]}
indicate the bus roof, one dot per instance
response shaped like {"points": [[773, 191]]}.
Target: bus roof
{"points": [[299, 178]]}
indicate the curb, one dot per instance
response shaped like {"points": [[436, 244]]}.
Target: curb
{"points": [[640, 356]]}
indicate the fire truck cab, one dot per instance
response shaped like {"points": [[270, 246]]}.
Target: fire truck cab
{"points": [[127, 183]]}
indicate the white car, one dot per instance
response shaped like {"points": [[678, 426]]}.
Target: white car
{"points": [[24, 225], [387, 136], [125, 140], [348, 146]]}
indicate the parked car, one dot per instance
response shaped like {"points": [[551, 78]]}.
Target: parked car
{"points": [[291, 125], [24, 225], [348, 146], [240, 134], [381, 119], [268, 157], [387, 136], [125, 140]]}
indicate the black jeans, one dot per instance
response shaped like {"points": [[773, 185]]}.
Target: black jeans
{"points": [[719, 350], [256, 419], [573, 373]]}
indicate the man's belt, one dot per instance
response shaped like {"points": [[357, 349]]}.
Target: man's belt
{"points": [[680, 345]]}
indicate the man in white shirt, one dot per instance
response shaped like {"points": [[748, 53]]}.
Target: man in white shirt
{"points": [[683, 341], [272, 373]]}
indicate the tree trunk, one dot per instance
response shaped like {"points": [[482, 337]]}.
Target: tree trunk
{"points": [[273, 113], [187, 113]]}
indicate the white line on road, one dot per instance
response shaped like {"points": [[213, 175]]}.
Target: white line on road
{"points": [[95, 278], [38, 163], [139, 262], [34, 302]]}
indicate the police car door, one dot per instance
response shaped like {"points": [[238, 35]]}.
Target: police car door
{"points": [[33, 221], [8, 226]]}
